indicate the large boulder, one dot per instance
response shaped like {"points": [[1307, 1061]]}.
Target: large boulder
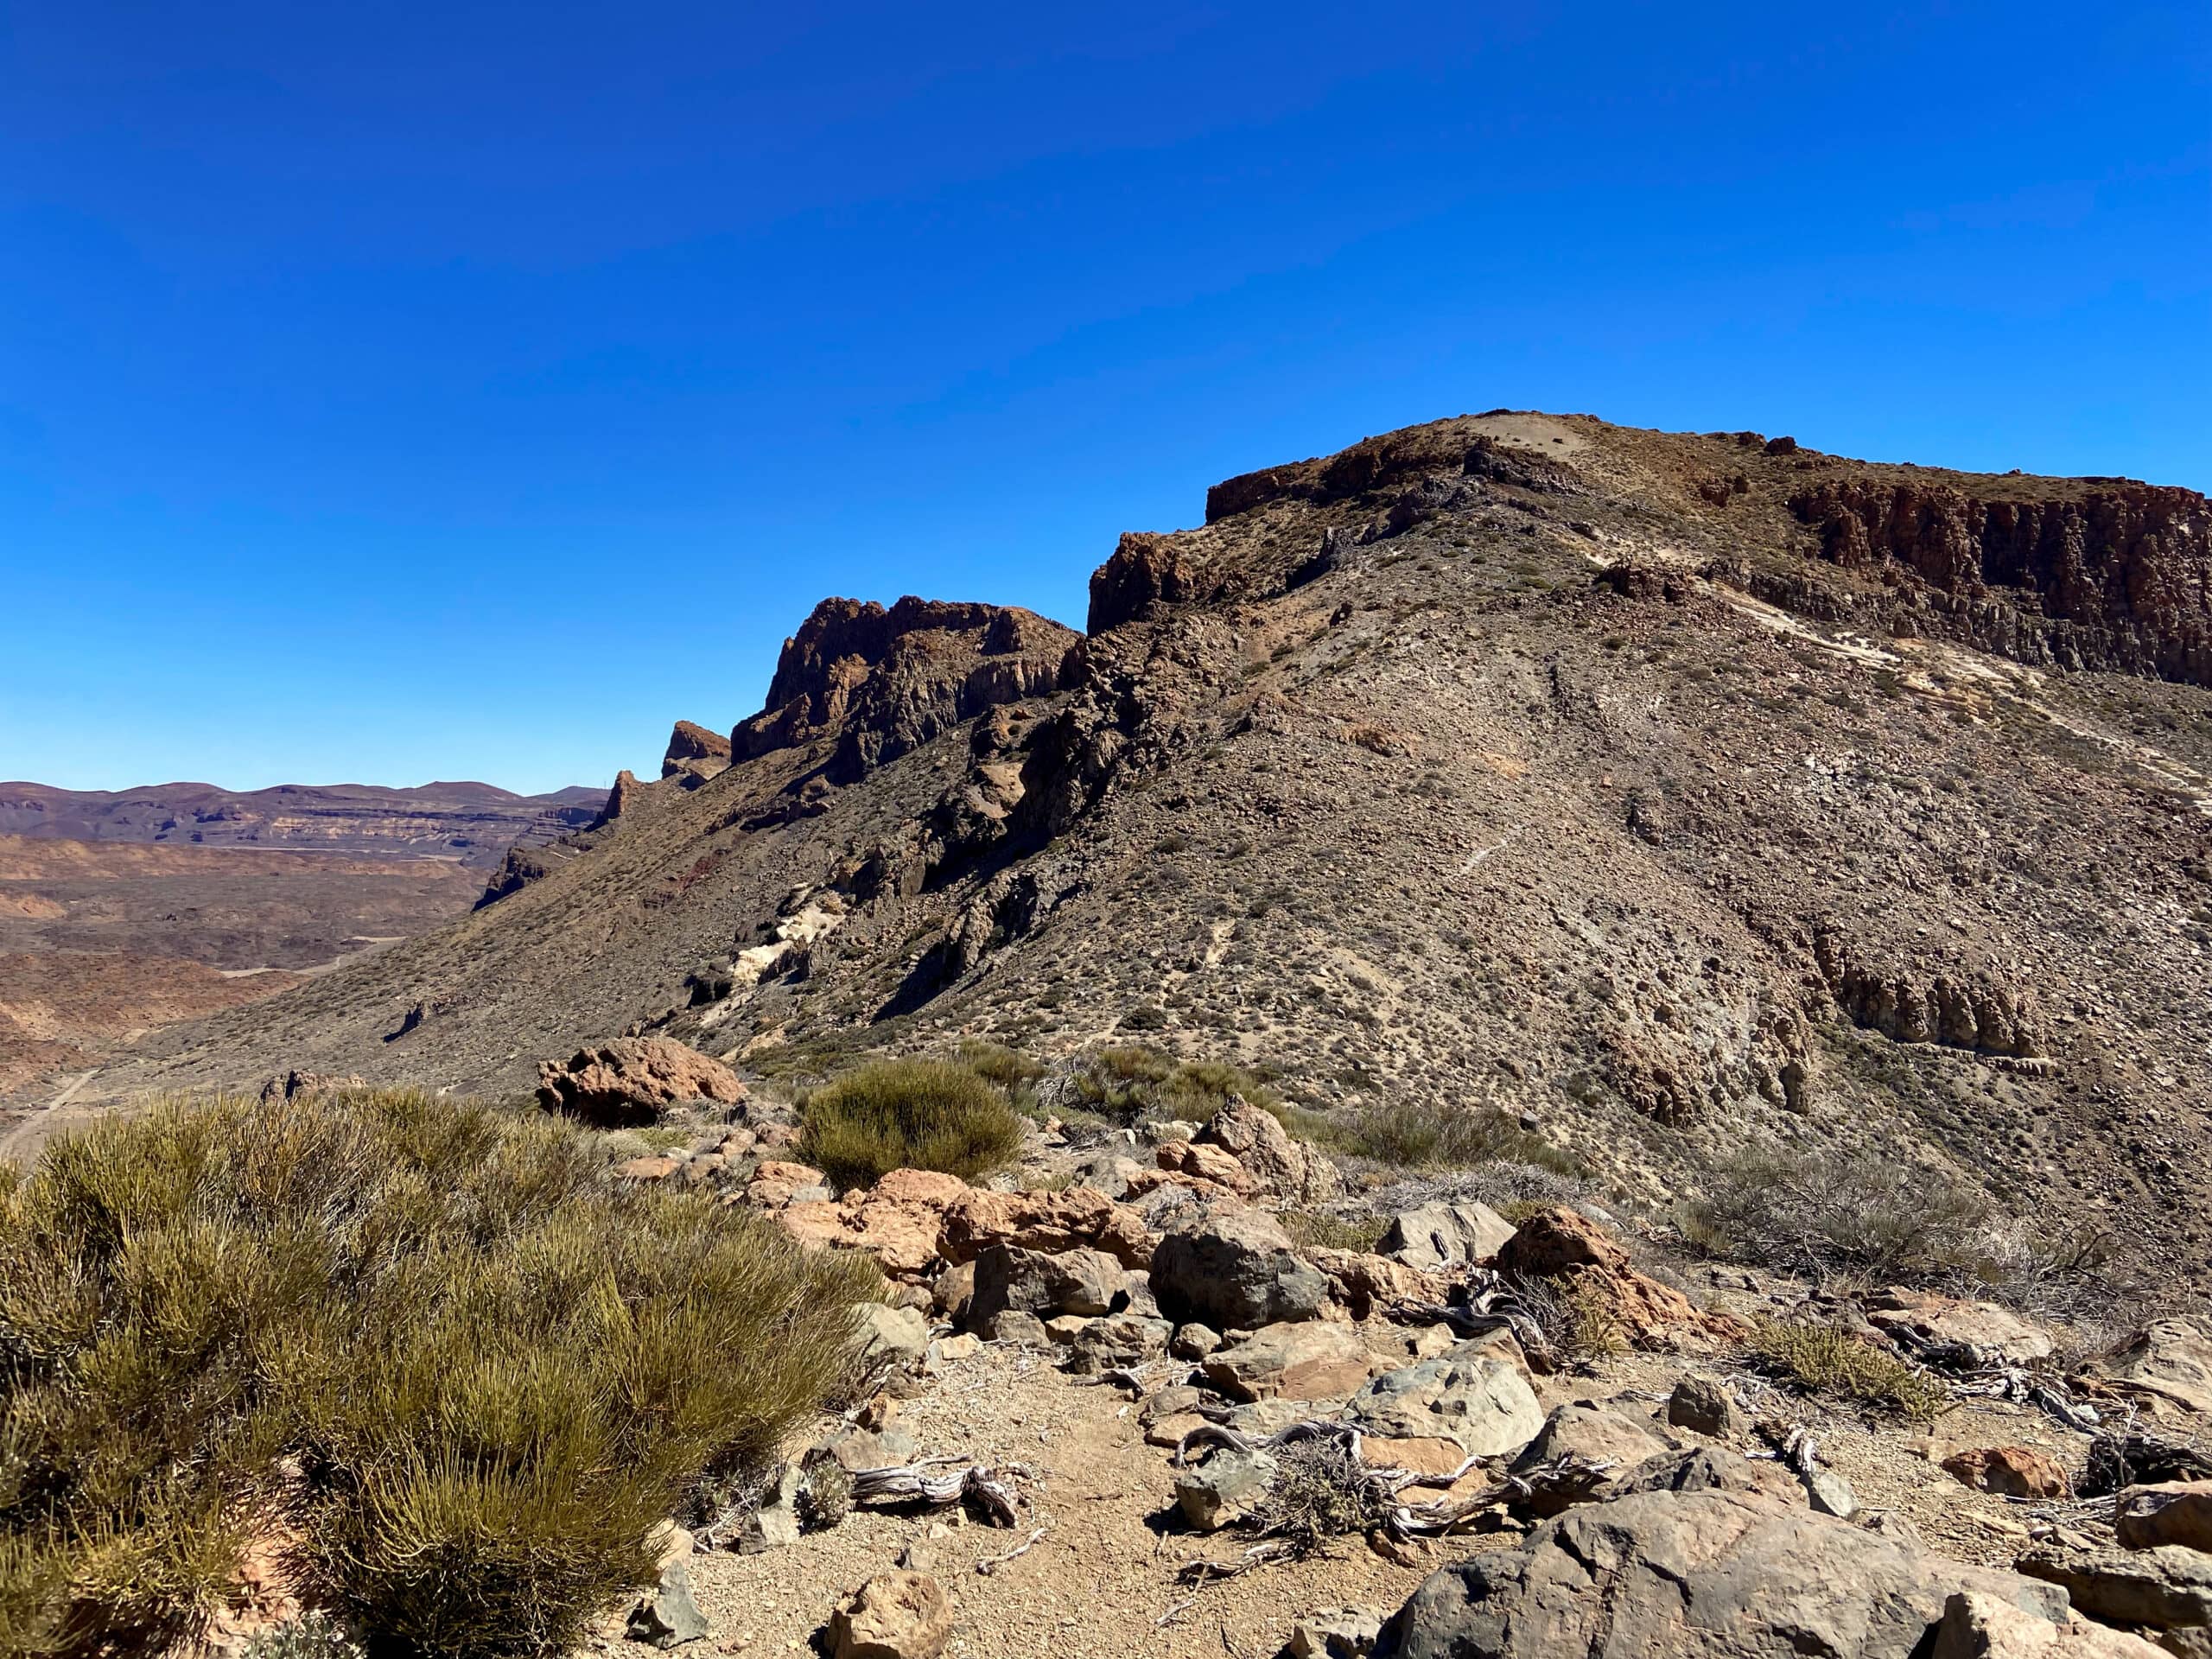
{"points": [[633, 1080], [2171, 1512], [1368, 1284], [1275, 1163], [1594, 1434], [1468, 1395], [2168, 1588], [1560, 1243], [1235, 1271], [1309, 1360], [1446, 1235], [1697, 1575], [1978, 1625], [1009, 1279], [1078, 1218], [2170, 1362], [1996, 1335]]}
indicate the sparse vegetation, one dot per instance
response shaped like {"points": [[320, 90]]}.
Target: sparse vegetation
{"points": [[1825, 1359], [908, 1114], [1322, 1229], [1132, 1085], [434, 1343], [1412, 1137]]}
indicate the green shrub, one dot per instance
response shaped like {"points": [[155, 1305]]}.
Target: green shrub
{"points": [[1825, 1360], [439, 1341], [908, 1114]]}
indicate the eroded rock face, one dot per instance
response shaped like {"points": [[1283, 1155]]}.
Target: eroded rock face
{"points": [[2120, 578], [882, 682], [2169, 1361], [1144, 570], [1964, 1009], [631, 1080], [1705, 1575], [1278, 1165], [694, 753]]}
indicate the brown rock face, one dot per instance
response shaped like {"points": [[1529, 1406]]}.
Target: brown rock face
{"points": [[631, 1080], [695, 751], [2120, 578], [1963, 1010], [1558, 1243], [1145, 570], [884, 682]]}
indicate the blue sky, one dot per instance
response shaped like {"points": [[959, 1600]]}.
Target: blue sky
{"points": [[471, 391]]}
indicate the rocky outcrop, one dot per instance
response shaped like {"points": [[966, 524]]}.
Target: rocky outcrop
{"points": [[1145, 570], [1959, 1009], [1559, 1244], [632, 1079], [879, 684], [694, 753], [2118, 577], [1703, 1575], [1394, 460], [2168, 1361]]}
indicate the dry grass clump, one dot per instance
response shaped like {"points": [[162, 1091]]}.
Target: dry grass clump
{"points": [[908, 1114], [1892, 1222], [1320, 1490], [1824, 1359], [1577, 1320], [1324, 1229], [1132, 1085], [433, 1343], [1415, 1136]]}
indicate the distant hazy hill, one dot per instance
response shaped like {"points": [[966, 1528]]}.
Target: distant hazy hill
{"points": [[475, 823]]}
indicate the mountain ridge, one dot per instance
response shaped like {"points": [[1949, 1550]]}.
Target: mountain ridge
{"points": [[1513, 760]]}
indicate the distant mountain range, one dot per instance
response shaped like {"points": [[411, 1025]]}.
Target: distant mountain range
{"points": [[471, 822]]}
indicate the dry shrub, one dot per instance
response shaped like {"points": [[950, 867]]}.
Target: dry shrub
{"points": [[1319, 1491], [1825, 1359], [908, 1114], [462, 1364], [1130, 1085], [1417, 1136]]}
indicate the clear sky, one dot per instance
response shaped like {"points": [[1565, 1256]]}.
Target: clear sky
{"points": [[399, 392]]}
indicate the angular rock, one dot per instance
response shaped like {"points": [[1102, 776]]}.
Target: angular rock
{"points": [[2009, 1471], [1339, 1633], [774, 1522], [896, 1615], [633, 1080], [2168, 1588], [1446, 1235], [1593, 1434], [1561, 1244], [897, 1333], [669, 1617], [1194, 1341], [2169, 1361], [1223, 1487], [1305, 1360], [1111, 1344], [1468, 1395], [1694, 1575], [1705, 1406], [1021, 1329], [1829, 1493], [1076, 1218], [2171, 1512], [1977, 1625], [1010, 1279], [1429, 1456], [1276, 1164], [1208, 1164], [1708, 1469], [1233, 1270]]}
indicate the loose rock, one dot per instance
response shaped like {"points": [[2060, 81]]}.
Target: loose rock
{"points": [[896, 1615]]}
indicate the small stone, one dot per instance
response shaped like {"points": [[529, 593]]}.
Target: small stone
{"points": [[1194, 1341], [899, 1615], [2008, 1472], [775, 1523], [1169, 1432], [966, 1345], [1064, 1328], [1228, 1483], [669, 1617], [1021, 1329], [1339, 1633], [1830, 1493]]}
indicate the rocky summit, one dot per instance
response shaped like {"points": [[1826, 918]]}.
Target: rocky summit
{"points": [[1668, 794]]}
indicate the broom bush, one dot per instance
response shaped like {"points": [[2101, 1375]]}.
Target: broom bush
{"points": [[435, 1348]]}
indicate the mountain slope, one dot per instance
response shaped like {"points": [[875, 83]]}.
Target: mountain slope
{"points": [[1676, 793]]}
